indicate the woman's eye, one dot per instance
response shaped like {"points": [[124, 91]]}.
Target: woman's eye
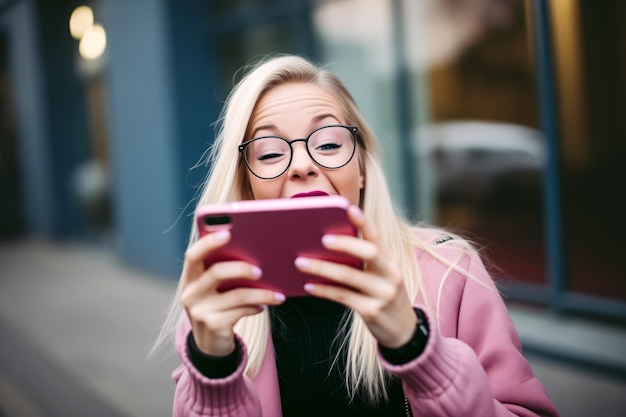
{"points": [[328, 147], [269, 156]]}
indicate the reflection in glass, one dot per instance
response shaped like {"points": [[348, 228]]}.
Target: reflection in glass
{"points": [[482, 133]]}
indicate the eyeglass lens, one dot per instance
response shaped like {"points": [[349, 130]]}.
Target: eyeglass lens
{"points": [[330, 147]]}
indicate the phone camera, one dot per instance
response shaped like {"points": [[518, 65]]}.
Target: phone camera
{"points": [[217, 220]]}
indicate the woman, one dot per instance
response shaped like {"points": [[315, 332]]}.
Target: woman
{"points": [[421, 330]]}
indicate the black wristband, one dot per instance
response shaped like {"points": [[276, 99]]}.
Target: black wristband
{"points": [[414, 347], [212, 366]]}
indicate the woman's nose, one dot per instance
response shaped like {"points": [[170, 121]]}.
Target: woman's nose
{"points": [[302, 165]]}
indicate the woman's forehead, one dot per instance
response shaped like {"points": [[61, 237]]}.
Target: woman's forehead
{"points": [[294, 102]]}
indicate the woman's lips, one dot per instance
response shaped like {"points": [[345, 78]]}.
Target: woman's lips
{"points": [[316, 193]]}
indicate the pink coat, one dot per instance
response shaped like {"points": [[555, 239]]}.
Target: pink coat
{"points": [[472, 364]]}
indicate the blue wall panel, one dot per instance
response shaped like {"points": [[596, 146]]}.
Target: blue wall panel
{"points": [[143, 148]]}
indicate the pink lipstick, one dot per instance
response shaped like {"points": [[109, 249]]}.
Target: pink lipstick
{"points": [[316, 193]]}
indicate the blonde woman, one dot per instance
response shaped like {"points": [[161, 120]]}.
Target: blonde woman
{"points": [[421, 330]]}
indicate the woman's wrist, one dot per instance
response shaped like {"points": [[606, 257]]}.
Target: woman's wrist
{"points": [[212, 366], [414, 347]]}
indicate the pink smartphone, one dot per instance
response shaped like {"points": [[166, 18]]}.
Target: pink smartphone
{"points": [[272, 233]]}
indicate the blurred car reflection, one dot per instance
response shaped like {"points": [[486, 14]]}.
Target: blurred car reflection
{"points": [[484, 164]]}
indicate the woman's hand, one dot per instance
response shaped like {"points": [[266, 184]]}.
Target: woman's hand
{"points": [[213, 314], [377, 293]]}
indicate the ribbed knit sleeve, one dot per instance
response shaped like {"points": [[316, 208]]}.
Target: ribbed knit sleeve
{"points": [[196, 395]]}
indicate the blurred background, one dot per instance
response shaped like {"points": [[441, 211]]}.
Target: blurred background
{"points": [[502, 120]]}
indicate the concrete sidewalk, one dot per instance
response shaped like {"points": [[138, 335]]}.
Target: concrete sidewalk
{"points": [[88, 322], [76, 324]]}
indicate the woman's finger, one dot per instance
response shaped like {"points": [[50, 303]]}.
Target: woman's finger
{"points": [[196, 253], [358, 302], [213, 317], [388, 329], [208, 282], [225, 309], [343, 275], [213, 329], [386, 317], [367, 229], [234, 298], [359, 248], [375, 258], [216, 320]]}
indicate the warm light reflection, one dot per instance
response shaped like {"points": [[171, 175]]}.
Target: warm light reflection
{"points": [[93, 43], [80, 20]]}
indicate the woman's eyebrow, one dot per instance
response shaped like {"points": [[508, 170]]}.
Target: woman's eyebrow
{"points": [[315, 120], [321, 117], [264, 127]]}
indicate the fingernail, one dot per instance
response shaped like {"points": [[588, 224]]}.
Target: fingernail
{"points": [[301, 262], [279, 297], [356, 211], [221, 235], [328, 239], [256, 271], [308, 287]]}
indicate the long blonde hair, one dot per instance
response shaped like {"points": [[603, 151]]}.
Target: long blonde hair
{"points": [[227, 181]]}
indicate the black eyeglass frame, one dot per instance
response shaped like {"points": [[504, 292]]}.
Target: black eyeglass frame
{"points": [[353, 130]]}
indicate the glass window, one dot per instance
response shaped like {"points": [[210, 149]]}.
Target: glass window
{"points": [[590, 46], [472, 113], [474, 63]]}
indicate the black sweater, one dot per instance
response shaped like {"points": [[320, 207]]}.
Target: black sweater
{"points": [[303, 333]]}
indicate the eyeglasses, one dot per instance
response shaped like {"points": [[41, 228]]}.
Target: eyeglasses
{"points": [[331, 147]]}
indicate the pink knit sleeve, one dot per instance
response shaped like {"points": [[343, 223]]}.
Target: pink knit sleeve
{"points": [[472, 363], [197, 395]]}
